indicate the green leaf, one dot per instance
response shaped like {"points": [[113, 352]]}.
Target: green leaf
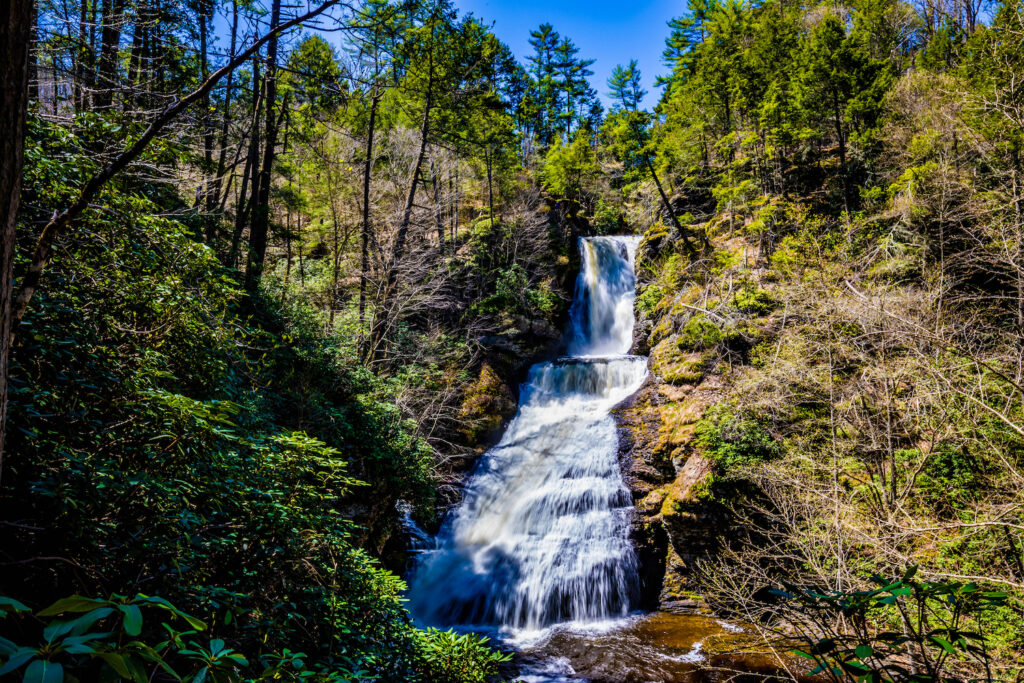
{"points": [[132, 619], [75, 626], [116, 663], [7, 647], [11, 605], [824, 646], [864, 651], [943, 643], [17, 659], [137, 671], [241, 660], [76, 603], [856, 668], [43, 671], [197, 624]]}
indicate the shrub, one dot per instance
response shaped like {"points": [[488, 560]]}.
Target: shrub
{"points": [[699, 334], [934, 626], [733, 439], [753, 299], [449, 657], [171, 434]]}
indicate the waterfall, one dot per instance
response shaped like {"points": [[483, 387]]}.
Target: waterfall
{"points": [[542, 535]]}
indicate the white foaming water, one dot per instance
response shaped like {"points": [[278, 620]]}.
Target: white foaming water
{"points": [[542, 535], [602, 310]]}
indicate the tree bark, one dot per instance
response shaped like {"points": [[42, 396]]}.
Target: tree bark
{"points": [[683, 232], [490, 186], [204, 69], [135, 55], [364, 265], [261, 207], [249, 175], [381, 319], [19, 19], [438, 212], [82, 55], [838, 122], [218, 184], [110, 43], [414, 180]]}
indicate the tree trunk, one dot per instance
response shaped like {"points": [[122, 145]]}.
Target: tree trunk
{"points": [[82, 56], [838, 121], [113, 17], [364, 264], [683, 232], [288, 262], [261, 207], [32, 37], [218, 183], [438, 212], [455, 207], [414, 180], [249, 175], [135, 55], [454, 211], [383, 316], [490, 186], [204, 69], [19, 20]]}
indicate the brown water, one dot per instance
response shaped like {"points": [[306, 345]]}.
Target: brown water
{"points": [[662, 647]]}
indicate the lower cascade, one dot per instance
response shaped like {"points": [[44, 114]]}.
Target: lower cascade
{"points": [[542, 535]]}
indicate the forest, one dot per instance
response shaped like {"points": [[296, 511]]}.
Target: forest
{"points": [[274, 274]]}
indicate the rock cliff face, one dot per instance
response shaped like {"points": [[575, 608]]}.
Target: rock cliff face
{"points": [[697, 343], [677, 520]]}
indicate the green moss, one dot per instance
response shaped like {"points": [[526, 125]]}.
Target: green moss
{"points": [[726, 259], [951, 479], [649, 298], [676, 366], [685, 493], [698, 334], [486, 404], [752, 299], [703, 490]]}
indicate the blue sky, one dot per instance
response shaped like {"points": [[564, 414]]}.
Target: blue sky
{"points": [[610, 31]]}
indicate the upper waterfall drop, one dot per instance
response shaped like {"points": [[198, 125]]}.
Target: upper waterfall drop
{"points": [[602, 309], [542, 534]]}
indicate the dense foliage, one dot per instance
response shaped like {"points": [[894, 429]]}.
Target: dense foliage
{"points": [[303, 305]]}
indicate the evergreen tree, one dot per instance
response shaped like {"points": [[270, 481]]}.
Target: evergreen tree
{"points": [[625, 86]]}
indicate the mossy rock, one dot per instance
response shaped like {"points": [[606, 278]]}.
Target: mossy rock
{"points": [[665, 328], [676, 589], [651, 503], [691, 488], [677, 366], [487, 403], [700, 334], [678, 423], [754, 300]]}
